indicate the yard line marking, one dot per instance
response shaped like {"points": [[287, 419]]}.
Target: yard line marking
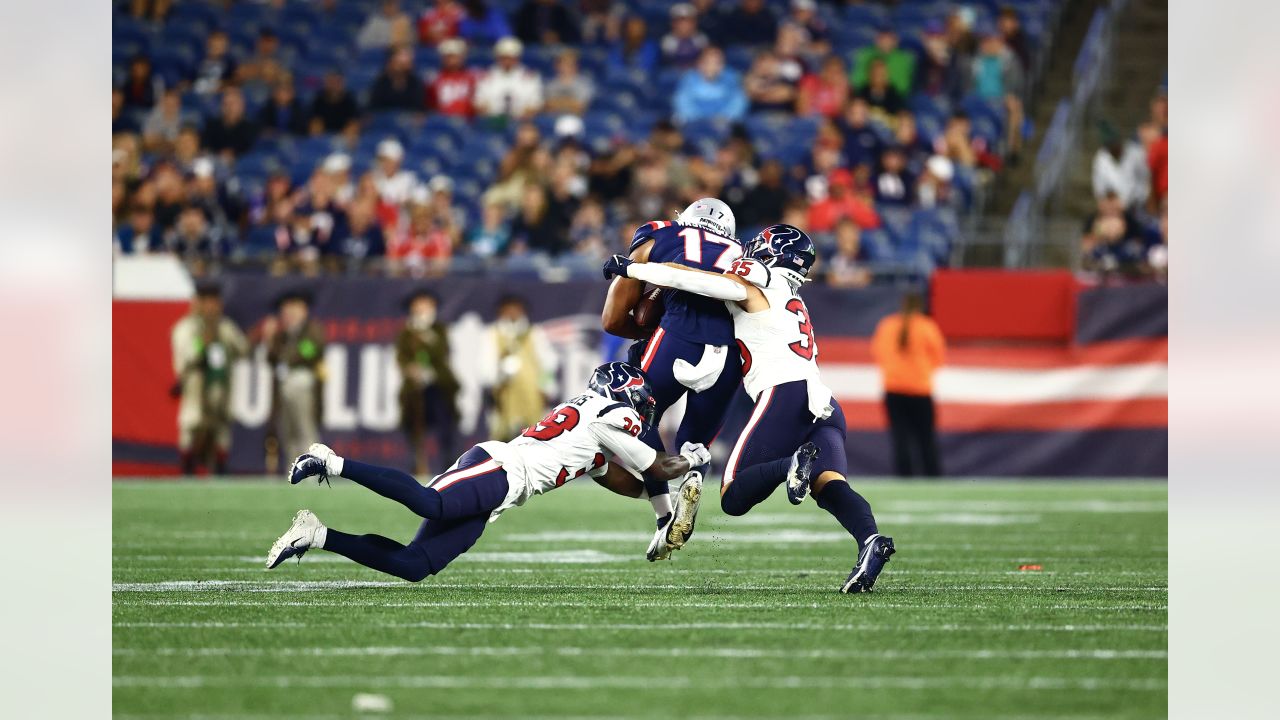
{"points": [[294, 586], [712, 652], [1031, 506], [577, 682], [622, 603], [643, 627]]}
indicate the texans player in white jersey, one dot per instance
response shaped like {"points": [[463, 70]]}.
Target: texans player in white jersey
{"points": [[796, 433], [576, 438]]}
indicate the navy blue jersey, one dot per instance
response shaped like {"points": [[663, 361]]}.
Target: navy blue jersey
{"points": [[692, 317]]}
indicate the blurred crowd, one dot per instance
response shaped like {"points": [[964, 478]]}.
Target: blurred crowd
{"points": [[423, 138], [1128, 232]]}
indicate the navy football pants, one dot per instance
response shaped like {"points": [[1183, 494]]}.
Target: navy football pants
{"points": [[456, 505], [704, 411]]}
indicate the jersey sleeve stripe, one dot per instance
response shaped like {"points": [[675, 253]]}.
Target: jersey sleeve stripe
{"points": [[613, 407]]}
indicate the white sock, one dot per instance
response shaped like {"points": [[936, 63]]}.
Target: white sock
{"points": [[661, 504], [333, 464], [320, 536]]}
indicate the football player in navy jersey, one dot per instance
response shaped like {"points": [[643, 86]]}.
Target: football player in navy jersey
{"points": [[692, 352]]}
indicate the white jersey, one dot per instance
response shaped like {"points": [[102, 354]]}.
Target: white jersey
{"points": [[576, 438], [777, 344]]}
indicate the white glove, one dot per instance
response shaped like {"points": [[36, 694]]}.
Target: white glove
{"points": [[696, 453]]}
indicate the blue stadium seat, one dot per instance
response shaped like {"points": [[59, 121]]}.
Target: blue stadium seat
{"points": [[877, 245]]}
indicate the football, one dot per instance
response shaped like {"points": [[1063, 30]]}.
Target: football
{"points": [[648, 312]]}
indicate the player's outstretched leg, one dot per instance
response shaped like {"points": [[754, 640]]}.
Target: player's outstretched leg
{"points": [[322, 462], [677, 527]]}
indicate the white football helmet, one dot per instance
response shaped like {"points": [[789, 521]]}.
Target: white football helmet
{"points": [[710, 214]]}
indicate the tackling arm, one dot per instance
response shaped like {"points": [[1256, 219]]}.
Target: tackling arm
{"points": [[722, 287]]}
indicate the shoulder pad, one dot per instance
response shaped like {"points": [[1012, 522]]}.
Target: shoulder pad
{"points": [[753, 271], [621, 416], [645, 232]]}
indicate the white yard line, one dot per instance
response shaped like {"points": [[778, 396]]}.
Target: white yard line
{"points": [[639, 682], [702, 652], [294, 586]]}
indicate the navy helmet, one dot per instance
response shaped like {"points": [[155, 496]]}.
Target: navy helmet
{"points": [[626, 384], [785, 247]]}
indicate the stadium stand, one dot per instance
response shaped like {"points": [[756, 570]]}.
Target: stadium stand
{"points": [[286, 108]]}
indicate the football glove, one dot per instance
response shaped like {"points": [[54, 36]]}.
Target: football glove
{"points": [[616, 266], [696, 453]]}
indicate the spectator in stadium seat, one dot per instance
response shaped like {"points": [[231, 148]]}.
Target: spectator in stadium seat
{"points": [[509, 89], [883, 99], [834, 198], [217, 66], [160, 130], [186, 149], [231, 134], [483, 25], [526, 163], [394, 183], [334, 108], [710, 91], [150, 10], [451, 90], [205, 344], [424, 247], [446, 214], [569, 91], [534, 228], [139, 86], [906, 135], [683, 45], [170, 194], [429, 393], [937, 72], [1009, 24], [845, 268], [1114, 240], [634, 50], [933, 189], [282, 113], [899, 64], [397, 87], [206, 194], [139, 235], [826, 92], [804, 14], [545, 22], [490, 237], [379, 28], [892, 183], [766, 89], [599, 22], [957, 143], [792, 54], [861, 141], [996, 76], [909, 347], [359, 243], [750, 22], [440, 22], [1120, 167], [764, 203], [195, 242], [295, 349], [265, 66], [588, 231]]}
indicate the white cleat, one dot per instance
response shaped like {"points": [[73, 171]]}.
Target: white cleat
{"points": [[676, 531], [305, 533]]}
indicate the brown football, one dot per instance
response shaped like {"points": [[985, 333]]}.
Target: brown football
{"points": [[648, 312]]}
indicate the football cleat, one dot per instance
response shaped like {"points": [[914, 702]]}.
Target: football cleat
{"points": [[313, 463], [677, 527], [875, 553], [798, 479], [659, 548], [305, 533]]}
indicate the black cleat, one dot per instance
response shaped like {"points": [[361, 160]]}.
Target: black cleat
{"points": [[875, 553], [798, 479]]}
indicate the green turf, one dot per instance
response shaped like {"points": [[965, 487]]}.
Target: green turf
{"points": [[555, 613]]}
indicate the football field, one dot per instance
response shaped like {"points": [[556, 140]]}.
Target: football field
{"points": [[1035, 599]]}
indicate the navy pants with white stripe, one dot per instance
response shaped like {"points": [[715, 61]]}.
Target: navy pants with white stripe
{"points": [[456, 507], [704, 411], [779, 425]]}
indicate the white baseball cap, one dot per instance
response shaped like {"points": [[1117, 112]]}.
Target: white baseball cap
{"points": [[941, 168], [441, 183], [508, 46], [390, 149], [453, 46], [337, 162]]}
